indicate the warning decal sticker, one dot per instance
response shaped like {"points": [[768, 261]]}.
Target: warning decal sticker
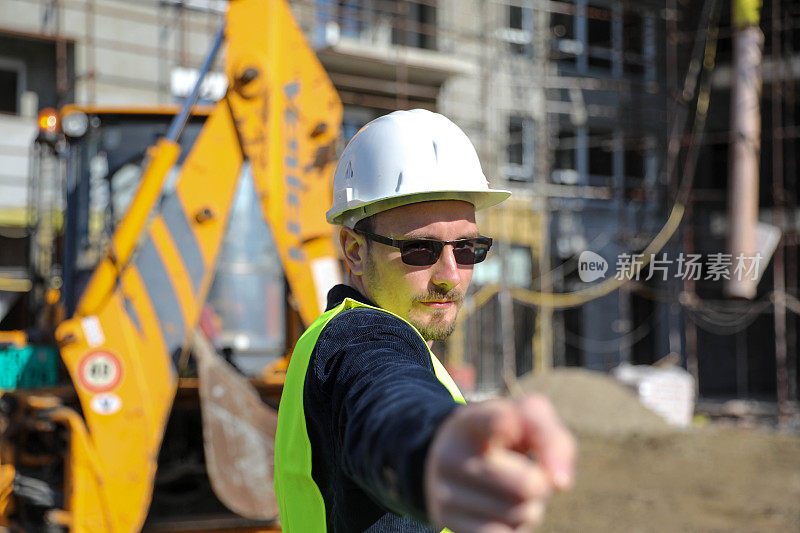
{"points": [[106, 403], [100, 371]]}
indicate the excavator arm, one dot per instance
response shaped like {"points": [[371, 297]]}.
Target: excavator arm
{"points": [[281, 114], [288, 116]]}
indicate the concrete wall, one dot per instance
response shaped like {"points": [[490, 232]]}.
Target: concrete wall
{"points": [[16, 137], [118, 52]]}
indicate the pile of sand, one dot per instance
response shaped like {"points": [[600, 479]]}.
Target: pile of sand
{"points": [[635, 473], [592, 403], [710, 479]]}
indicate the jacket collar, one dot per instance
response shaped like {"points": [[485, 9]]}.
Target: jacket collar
{"points": [[338, 293]]}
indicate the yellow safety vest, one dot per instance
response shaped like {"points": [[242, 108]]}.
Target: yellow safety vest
{"points": [[299, 499]]}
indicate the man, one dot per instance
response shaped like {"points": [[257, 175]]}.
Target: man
{"points": [[372, 434]]}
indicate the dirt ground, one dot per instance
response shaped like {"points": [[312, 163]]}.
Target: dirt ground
{"points": [[637, 474]]}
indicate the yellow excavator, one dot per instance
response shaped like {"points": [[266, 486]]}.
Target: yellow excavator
{"points": [[117, 413]]}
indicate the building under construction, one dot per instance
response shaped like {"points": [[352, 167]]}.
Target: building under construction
{"points": [[599, 115]]}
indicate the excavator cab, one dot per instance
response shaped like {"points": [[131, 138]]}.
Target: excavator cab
{"points": [[85, 174]]}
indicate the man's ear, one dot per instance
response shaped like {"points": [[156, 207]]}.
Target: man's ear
{"points": [[354, 250]]}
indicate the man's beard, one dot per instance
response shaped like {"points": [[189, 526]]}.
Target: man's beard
{"points": [[435, 329]]}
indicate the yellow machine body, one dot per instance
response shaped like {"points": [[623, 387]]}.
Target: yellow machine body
{"points": [[135, 316]]}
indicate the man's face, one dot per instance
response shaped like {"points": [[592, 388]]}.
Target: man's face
{"points": [[428, 297]]}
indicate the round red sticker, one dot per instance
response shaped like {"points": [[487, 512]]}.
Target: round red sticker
{"points": [[100, 371]]}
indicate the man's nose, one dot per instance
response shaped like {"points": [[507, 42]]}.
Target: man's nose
{"points": [[445, 271]]}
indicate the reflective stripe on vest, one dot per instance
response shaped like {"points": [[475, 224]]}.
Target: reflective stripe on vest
{"points": [[302, 508]]}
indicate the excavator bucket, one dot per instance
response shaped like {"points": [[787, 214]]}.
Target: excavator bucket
{"points": [[238, 436]]}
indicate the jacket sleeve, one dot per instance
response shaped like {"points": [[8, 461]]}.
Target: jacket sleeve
{"points": [[385, 404]]}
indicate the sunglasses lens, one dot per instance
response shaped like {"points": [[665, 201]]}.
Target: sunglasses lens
{"points": [[471, 251], [480, 254], [420, 252], [464, 252]]}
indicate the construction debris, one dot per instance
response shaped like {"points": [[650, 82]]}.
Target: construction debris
{"points": [[669, 392]]}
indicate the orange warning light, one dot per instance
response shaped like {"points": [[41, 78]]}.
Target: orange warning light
{"points": [[48, 120]]}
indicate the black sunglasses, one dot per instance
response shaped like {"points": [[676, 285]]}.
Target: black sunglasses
{"points": [[426, 252]]}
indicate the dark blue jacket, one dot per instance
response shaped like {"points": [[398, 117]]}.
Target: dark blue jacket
{"points": [[372, 404]]}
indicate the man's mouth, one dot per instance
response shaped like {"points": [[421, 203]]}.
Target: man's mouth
{"points": [[441, 300], [438, 304]]}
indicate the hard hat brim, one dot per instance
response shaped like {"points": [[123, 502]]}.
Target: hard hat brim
{"points": [[358, 210]]}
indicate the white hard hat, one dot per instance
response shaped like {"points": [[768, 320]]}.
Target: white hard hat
{"points": [[403, 158]]}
